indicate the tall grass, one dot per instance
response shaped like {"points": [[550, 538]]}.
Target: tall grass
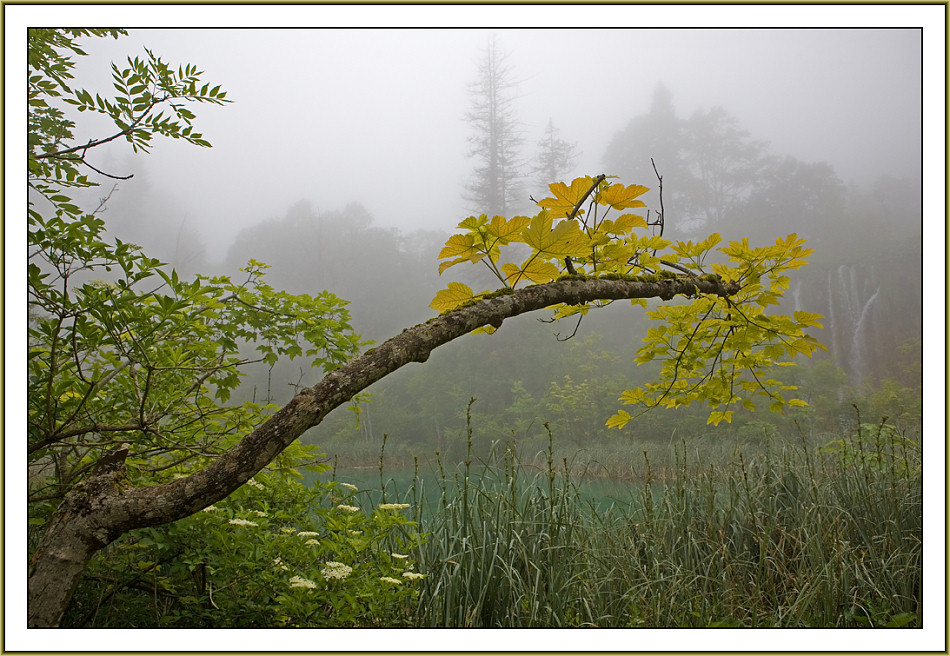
{"points": [[791, 536]]}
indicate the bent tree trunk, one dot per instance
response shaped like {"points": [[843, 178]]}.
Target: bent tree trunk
{"points": [[100, 510]]}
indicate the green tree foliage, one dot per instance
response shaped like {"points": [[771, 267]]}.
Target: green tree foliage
{"points": [[131, 368], [151, 101], [121, 348]]}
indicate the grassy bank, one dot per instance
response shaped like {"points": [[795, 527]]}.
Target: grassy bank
{"points": [[791, 535]]}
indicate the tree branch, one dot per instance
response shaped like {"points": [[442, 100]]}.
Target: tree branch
{"points": [[159, 504]]}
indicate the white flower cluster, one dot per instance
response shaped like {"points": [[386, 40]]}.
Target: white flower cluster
{"points": [[350, 487], [399, 556], [389, 579], [255, 484], [241, 522], [260, 513], [279, 564], [308, 534], [412, 576], [393, 506], [335, 570], [297, 582], [311, 542], [351, 509]]}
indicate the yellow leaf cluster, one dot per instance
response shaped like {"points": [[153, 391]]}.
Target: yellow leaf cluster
{"points": [[713, 350]]}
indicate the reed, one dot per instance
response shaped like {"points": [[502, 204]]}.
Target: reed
{"points": [[792, 536]]}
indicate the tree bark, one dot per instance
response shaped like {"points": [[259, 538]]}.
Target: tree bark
{"points": [[101, 509]]}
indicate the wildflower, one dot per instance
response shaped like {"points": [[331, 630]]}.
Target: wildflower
{"points": [[286, 529], [307, 534], [412, 576], [260, 513], [311, 542], [351, 509], [241, 522], [393, 506], [335, 570], [253, 483], [208, 509], [389, 579], [352, 488], [297, 582], [399, 556], [279, 564]]}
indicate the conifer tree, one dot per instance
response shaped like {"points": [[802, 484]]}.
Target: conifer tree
{"points": [[496, 186], [555, 158]]}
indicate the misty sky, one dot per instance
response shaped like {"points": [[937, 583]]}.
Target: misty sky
{"points": [[377, 116]]}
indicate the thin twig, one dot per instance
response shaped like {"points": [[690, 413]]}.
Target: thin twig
{"points": [[662, 220], [93, 143], [108, 175], [557, 336], [600, 178], [103, 201]]}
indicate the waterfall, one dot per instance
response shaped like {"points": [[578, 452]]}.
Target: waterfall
{"points": [[849, 327], [859, 362], [797, 295], [832, 324]]}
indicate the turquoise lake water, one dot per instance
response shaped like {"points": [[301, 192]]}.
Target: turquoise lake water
{"points": [[427, 488]]}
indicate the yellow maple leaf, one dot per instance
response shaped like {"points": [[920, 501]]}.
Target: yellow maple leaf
{"points": [[559, 240], [619, 197], [627, 222], [565, 198], [534, 269], [449, 299], [619, 420], [563, 311], [504, 230], [458, 246]]}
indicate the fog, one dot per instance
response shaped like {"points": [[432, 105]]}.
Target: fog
{"points": [[377, 117]]}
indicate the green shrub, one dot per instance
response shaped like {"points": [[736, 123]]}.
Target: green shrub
{"points": [[274, 553]]}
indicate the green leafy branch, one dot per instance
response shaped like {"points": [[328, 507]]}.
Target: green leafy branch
{"points": [[143, 86], [138, 357]]}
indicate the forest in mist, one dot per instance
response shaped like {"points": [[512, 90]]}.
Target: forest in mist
{"points": [[865, 278]]}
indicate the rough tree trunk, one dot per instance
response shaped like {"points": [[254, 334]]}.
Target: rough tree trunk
{"points": [[104, 507]]}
